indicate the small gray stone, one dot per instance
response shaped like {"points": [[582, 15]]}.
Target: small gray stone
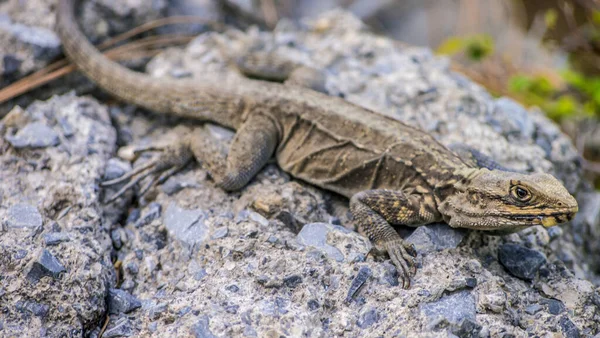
{"points": [[37, 309], [454, 308], [10, 64], [435, 237], [533, 309], [187, 226], [45, 43], [34, 135], [554, 232], [45, 265], [292, 281], [555, 307], [202, 328], [54, 238], [23, 216], [220, 233], [258, 218], [156, 310], [368, 318], [467, 329], [569, 328], [149, 214], [174, 185], [520, 261], [116, 168], [315, 235], [122, 328], [120, 301]]}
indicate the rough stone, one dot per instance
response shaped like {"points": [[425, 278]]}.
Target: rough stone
{"points": [[435, 237], [123, 327], [55, 238], [202, 329], [34, 135], [187, 226], [454, 308], [23, 216], [45, 265], [320, 235], [520, 261], [120, 301]]}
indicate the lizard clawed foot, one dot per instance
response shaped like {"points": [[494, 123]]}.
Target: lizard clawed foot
{"points": [[172, 159], [403, 256]]}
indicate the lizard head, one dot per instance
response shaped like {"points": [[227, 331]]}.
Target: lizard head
{"points": [[506, 202]]}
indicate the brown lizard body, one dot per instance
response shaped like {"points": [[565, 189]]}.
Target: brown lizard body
{"points": [[393, 174]]}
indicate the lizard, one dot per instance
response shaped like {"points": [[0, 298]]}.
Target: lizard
{"points": [[393, 174]]}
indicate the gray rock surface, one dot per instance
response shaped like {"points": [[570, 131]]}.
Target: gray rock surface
{"points": [[265, 275], [520, 261]]}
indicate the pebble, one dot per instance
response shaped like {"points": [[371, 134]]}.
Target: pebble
{"points": [[202, 329], [467, 328], [368, 318], [122, 328], [220, 233], [34, 135], [120, 301], [533, 309], [292, 281], [187, 226], [315, 235], [435, 237], [149, 214], [45, 265], [23, 216], [520, 261], [454, 308], [55, 238]]}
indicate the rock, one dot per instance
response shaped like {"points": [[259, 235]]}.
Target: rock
{"points": [[568, 328], [36, 309], [555, 307], [520, 261], [321, 235], [220, 233], [358, 282], [34, 135], [533, 309], [187, 226], [23, 216], [368, 318], [116, 168], [55, 238], [156, 310], [292, 281], [45, 43], [149, 214], [202, 328], [10, 64], [45, 265], [435, 237], [467, 329], [120, 301], [515, 119], [454, 308], [123, 327]]}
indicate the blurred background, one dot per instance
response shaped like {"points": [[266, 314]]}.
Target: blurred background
{"points": [[543, 53]]}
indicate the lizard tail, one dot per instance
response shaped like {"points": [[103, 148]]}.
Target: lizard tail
{"points": [[209, 99]]}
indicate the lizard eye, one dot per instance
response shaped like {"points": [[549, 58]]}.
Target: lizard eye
{"points": [[520, 193]]}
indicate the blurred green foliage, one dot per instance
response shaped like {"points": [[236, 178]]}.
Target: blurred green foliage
{"points": [[475, 47], [577, 95]]}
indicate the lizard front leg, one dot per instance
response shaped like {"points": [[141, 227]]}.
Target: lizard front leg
{"points": [[251, 148], [376, 210]]}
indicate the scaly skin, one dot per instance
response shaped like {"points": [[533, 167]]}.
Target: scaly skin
{"points": [[392, 173]]}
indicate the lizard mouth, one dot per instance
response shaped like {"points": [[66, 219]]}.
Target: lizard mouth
{"points": [[547, 220]]}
